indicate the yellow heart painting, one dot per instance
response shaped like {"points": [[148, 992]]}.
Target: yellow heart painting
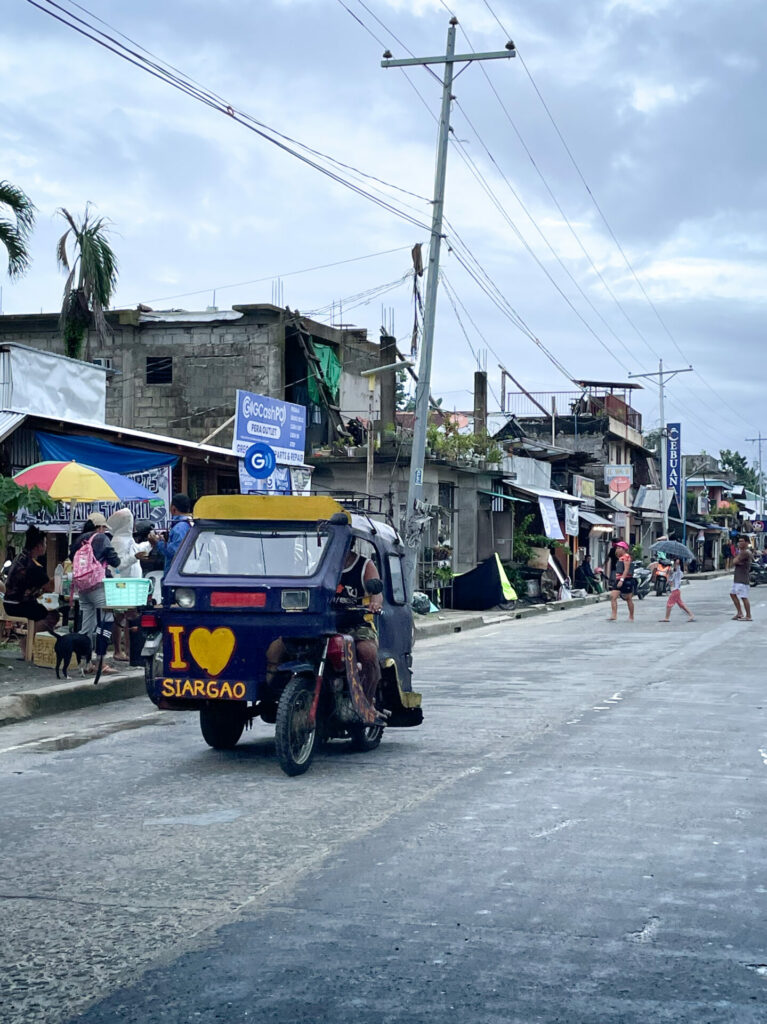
{"points": [[211, 650]]}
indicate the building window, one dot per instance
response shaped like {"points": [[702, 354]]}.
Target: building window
{"points": [[159, 369]]}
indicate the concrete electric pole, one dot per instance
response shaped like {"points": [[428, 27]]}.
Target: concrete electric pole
{"points": [[414, 516], [664, 376]]}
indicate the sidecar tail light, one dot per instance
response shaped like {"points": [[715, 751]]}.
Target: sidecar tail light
{"points": [[336, 653]]}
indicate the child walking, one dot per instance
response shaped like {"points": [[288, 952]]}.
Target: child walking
{"points": [[675, 597]]}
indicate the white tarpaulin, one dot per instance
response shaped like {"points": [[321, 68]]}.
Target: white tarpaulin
{"points": [[571, 520], [46, 384], [549, 516]]}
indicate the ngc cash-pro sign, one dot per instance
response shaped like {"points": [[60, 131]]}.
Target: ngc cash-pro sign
{"points": [[280, 425], [674, 459]]}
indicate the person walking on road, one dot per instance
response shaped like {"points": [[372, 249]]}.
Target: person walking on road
{"points": [[621, 579], [675, 597], [740, 581]]}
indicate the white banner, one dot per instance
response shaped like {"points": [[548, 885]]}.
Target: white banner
{"points": [[571, 520], [551, 525], [158, 480]]}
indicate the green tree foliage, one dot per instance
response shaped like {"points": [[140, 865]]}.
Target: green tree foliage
{"points": [[91, 269], [737, 464], [13, 497], [17, 218]]}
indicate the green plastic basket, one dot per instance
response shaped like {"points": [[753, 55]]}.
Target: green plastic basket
{"points": [[126, 593]]}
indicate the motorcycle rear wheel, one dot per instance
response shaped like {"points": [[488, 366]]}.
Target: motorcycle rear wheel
{"points": [[365, 737], [660, 587], [295, 740]]}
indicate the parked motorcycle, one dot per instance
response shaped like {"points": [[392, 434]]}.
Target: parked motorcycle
{"points": [[643, 578], [757, 574], [662, 577]]}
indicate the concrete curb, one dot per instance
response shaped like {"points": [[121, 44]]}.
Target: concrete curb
{"points": [[50, 700], [476, 620]]}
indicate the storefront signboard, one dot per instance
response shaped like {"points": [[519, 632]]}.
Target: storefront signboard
{"points": [[674, 459], [551, 525], [571, 520], [281, 425], [619, 478], [584, 487]]}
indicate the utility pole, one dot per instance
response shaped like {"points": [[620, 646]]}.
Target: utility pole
{"points": [[415, 513], [664, 376], [759, 440]]}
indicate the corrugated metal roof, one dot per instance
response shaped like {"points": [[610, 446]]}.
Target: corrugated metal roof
{"points": [[9, 421]]}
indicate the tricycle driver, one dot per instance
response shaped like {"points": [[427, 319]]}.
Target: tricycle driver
{"points": [[357, 571]]}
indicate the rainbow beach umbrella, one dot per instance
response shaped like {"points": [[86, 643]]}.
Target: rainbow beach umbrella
{"points": [[73, 482]]}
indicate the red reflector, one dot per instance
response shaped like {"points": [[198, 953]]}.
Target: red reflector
{"points": [[336, 652], [149, 622], [237, 599]]}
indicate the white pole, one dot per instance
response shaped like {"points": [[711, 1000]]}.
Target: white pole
{"points": [[663, 453]]}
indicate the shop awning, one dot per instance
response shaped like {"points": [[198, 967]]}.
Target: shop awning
{"points": [[101, 454], [534, 493], [593, 519]]}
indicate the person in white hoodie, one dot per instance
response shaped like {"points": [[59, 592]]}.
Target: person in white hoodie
{"points": [[120, 524]]}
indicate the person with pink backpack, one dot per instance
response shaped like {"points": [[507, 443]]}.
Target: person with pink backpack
{"points": [[92, 554]]}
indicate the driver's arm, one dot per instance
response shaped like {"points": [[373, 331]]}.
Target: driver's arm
{"points": [[371, 573]]}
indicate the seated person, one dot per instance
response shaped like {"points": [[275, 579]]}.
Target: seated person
{"points": [[356, 572], [26, 580]]}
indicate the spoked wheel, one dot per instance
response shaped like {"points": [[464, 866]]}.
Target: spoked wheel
{"points": [[294, 737], [221, 725], [365, 737]]}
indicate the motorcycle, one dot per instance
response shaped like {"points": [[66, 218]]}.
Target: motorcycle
{"points": [[643, 578], [662, 577], [257, 575], [757, 574]]}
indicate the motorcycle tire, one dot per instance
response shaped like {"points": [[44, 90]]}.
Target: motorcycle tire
{"points": [[221, 725], [294, 740], [753, 580], [660, 587], [365, 738], [640, 595]]}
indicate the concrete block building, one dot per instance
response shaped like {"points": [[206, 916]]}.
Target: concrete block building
{"points": [[175, 372]]}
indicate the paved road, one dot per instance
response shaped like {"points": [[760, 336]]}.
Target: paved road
{"points": [[576, 834]]}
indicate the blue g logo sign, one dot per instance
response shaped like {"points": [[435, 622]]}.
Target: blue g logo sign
{"points": [[260, 460]]}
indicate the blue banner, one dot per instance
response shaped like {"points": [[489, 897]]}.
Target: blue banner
{"points": [[281, 425], [674, 459]]}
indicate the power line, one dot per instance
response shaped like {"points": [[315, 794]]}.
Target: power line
{"points": [[271, 277], [209, 99], [612, 234]]}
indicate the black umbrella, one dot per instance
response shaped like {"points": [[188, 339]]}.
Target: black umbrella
{"points": [[672, 548]]}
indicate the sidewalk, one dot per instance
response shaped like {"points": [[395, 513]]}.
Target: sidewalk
{"points": [[27, 691]]}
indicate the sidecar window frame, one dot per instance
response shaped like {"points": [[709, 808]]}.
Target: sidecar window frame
{"points": [[314, 539]]}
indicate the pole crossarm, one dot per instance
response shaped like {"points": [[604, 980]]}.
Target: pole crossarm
{"points": [[458, 58]]}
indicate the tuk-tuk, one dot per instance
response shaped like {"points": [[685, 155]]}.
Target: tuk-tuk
{"points": [[255, 570]]}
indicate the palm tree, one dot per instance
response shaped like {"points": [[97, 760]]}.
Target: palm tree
{"points": [[94, 264], [14, 233]]}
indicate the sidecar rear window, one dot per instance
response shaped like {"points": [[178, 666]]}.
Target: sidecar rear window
{"points": [[262, 552]]}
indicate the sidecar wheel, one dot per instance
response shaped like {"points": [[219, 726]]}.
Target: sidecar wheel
{"points": [[365, 737], [221, 725], [295, 739]]}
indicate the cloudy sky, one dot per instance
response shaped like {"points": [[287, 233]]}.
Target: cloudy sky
{"points": [[660, 103]]}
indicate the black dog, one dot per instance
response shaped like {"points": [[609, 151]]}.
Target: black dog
{"points": [[68, 644]]}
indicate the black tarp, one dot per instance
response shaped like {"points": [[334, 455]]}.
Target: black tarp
{"points": [[483, 587]]}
